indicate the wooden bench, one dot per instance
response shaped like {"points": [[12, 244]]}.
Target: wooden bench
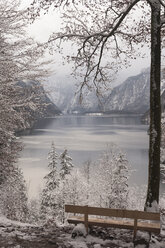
{"points": [[124, 219]]}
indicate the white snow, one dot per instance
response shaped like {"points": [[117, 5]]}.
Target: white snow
{"points": [[154, 207], [79, 230], [97, 246], [78, 244], [7, 222]]}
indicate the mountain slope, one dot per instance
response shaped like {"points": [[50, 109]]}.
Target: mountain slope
{"points": [[35, 103], [63, 95], [131, 96]]}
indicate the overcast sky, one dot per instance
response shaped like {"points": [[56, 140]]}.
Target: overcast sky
{"points": [[43, 27]]}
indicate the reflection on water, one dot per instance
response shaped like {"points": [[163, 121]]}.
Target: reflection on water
{"points": [[85, 137]]}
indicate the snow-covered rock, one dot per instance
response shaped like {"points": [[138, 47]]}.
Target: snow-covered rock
{"points": [[79, 230], [7, 222]]}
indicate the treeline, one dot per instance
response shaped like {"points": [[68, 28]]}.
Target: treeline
{"points": [[20, 59]]}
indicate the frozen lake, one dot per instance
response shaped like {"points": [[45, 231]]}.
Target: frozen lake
{"points": [[85, 137]]}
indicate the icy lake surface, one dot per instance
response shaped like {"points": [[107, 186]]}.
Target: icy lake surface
{"points": [[85, 137]]}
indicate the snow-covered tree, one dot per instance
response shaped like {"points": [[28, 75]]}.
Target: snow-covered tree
{"points": [[52, 177], [62, 194], [120, 184], [20, 59], [9, 149], [49, 202], [86, 173], [111, 172], [72, 190], [76, 190], [136, 197], [13, 196], [66, 164], [34, 210]]}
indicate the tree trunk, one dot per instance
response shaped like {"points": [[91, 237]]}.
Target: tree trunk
{"points": [[155, 108]]}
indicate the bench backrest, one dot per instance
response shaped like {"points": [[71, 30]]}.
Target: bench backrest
{"points": [[120, 213]]}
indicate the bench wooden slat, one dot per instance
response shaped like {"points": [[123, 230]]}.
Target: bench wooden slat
{"points": [[121, 213], [74, 209], [143, 226]]}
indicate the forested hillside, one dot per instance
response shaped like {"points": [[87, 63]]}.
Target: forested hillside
{"points": [[40, 106]]}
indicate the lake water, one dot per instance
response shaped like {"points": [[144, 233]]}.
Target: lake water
{"points": [[85, 137]]}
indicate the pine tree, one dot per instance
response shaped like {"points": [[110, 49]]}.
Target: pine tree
{"points": [[49, 203], [65, 172], [34, 210], [86, 173], [52, 180], [66, 164], [120, 182]]}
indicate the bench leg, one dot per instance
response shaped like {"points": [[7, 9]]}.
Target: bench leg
{"points": [[135, 229], [86, 222], [86, 218]]}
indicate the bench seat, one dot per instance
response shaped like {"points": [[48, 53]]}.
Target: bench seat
{"points": [[122, 224]]}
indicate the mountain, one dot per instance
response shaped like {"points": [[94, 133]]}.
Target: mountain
{"points": [[35, 104], [63, 94], [131, 96]]}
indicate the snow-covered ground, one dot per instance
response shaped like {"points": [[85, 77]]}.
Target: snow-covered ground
{"points": [[14, 234]]}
